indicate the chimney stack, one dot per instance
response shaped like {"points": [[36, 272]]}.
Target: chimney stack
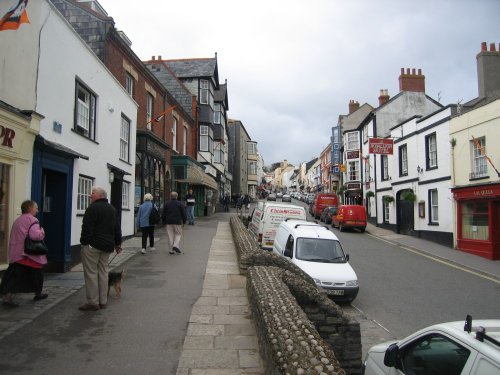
{"points": [[353, 106], [488, 70], [411, 81], [152, 58], [383, 97]]}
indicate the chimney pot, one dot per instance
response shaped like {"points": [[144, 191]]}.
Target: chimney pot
{"points": [[408, 71], [384, 96], [159, 57], [353, 106], [420, 72], [492, 47], [153, 58], [413, 71], [484, 47]]}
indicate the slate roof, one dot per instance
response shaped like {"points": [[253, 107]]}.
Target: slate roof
{"points": [[180, 93], [190, 68]]}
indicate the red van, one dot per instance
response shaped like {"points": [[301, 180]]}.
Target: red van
{"points": [[321, 201], [350, 217]]}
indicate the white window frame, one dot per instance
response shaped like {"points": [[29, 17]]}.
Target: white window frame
{"points": [[434, 206], [352, 141], [252, 167], [217, 113], [365, 134], [174, 134], [385, 167], [251, 148], [85, 185], [129, 83], [479, 162], [149, 109], [404, 160], [432, 151], [386, 208], [125, 195], [184, 141], [204, 91], [125, 139], [205, 138], [85, 111], [353, 171]]}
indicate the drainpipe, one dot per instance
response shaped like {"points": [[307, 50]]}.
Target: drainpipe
{"points": [[375, 170]]}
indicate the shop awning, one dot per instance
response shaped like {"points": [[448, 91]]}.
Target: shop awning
{"points": [[196, 177]]}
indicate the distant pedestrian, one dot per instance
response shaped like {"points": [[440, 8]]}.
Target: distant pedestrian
{"points": [[174, 216], [190, 202], [227, 202], [24, 274], [101, 234], [143, 223], [239, 204], [246, 203]]}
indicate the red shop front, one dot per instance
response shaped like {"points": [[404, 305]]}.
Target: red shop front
{"points": [[478, 220]]}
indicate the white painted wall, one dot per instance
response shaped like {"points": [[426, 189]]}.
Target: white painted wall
{"points": [[63, 58]]}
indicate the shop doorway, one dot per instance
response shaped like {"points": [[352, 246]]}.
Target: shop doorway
{"points": [[53, 213], [405, 214]]}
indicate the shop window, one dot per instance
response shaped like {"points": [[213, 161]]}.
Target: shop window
{"points": [[475, 221], [4, 211], [83, 193]]}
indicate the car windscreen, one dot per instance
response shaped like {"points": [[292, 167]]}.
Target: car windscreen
{"points": [[319, 250]]}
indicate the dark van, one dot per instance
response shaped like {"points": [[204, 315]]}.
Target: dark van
{"points": [[322, 200], [350, 217]]}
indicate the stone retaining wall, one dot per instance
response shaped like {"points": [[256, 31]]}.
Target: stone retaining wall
{"points": [[300, 329]]}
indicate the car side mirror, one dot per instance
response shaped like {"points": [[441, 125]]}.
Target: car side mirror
{"points": [[288, 253], [347, 257], [391, 355]]}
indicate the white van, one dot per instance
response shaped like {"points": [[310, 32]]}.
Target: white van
{"points": [[317, 251], [267, 217]]}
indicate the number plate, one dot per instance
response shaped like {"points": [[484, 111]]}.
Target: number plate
{"points": [[338, 292]]}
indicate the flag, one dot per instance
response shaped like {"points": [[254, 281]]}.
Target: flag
{"points": [[15, 16]]}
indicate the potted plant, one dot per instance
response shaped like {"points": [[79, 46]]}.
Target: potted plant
{"points": [[409, 196], [370, 194], [388, 198]]}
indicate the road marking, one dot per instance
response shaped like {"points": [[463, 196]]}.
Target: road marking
{"points": [[374, 321], [447, 263]]}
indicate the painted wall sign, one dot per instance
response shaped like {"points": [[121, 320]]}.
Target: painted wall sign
{"points": [[352, 154], [7, 135]]}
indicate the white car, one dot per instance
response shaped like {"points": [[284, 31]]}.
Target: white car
{"points": [[317, 251], [443, 349]]}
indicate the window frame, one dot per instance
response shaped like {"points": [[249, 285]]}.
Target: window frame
{"points": [[352, 141], [354, 171], [129, 84], [83, 193], [125, 142], [149, 109], [126, 195], [385, 211], [431, 155], [206, 138], [479, 163], [403, 160], [217, 113], [433, 207], [174, 133], [204, 91], [89, 130], [184, 140], [384, 161]]}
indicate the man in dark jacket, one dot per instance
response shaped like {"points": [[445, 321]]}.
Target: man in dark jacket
{"points": [[174, 216], [101, 234]]}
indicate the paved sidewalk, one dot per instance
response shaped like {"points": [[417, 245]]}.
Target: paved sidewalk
{"points": [[221, 337], [470, 262]]}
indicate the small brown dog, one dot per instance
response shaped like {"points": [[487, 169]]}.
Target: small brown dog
{"points": [[115, 280]]}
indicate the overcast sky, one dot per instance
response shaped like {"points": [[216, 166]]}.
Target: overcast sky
{"points": [[292, 66]]}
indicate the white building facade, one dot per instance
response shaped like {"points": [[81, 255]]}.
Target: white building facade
{"points": [[87, 136]]}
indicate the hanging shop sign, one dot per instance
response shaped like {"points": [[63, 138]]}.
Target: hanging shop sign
{"points": [[380, 146]]}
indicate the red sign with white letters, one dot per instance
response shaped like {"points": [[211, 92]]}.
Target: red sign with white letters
{"points": [[380, 146]]}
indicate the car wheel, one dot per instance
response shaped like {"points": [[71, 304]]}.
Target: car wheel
{"points": [[362, 230]]}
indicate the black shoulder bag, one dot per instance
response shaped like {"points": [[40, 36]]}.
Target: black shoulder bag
{"points": [[32, 247]]}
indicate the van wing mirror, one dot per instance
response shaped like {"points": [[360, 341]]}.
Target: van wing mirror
{"points": [[347, 257], [288, 253], [391, 355]]}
